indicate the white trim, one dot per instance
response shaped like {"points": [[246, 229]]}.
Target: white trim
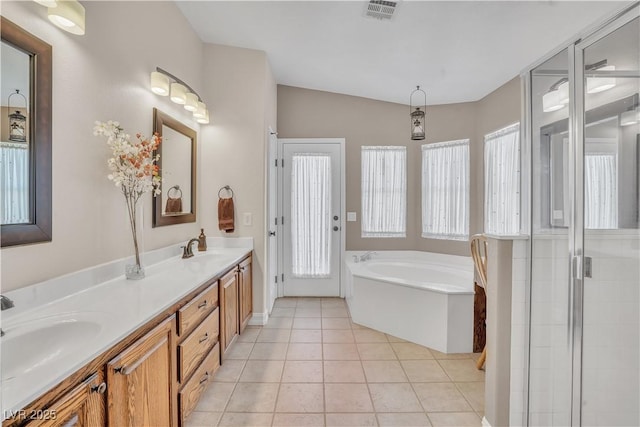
{"points": [[259, 319], [485, 422]]}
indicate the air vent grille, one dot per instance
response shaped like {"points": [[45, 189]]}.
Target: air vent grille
{"points": [[381, 9]]}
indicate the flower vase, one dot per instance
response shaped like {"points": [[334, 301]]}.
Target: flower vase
{"points": [[135, 271]]}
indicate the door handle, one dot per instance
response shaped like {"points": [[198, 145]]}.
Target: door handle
{"points": [[272, 233], [336, 228], [335, 217]]}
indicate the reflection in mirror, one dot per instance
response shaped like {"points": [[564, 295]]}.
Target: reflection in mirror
{"points": [[177, 202], [25, 137], [14, 135]]}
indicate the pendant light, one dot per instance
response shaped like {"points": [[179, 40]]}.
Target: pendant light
{"points": [[68, 15], [417, 116], [17, 120]]}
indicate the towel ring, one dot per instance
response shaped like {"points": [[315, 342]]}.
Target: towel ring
{"points": [[176, 188], [226, 187]]}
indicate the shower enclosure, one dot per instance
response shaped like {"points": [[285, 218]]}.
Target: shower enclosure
{"points": [[583, 128]]}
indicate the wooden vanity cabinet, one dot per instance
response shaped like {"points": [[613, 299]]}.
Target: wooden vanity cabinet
{"points": [[142, 380], [229, 313], [81, 407], [246, 292]]}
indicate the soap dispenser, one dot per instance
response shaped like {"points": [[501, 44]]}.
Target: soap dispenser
{"points": [[202, 241]]}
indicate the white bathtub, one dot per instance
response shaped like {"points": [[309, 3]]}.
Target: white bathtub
{"points": [[422, 297]]}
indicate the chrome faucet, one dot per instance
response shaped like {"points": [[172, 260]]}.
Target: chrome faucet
{"points": [[367, 255], [5, 303], [187, 252]]}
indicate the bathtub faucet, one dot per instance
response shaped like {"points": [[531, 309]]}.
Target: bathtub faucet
{"points": [[367, 255]]}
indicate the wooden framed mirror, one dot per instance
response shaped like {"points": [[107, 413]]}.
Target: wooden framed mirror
{"points": [[25, 142], [177, 202]]}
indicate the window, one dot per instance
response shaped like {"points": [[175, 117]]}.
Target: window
{"points": [[445, 190], [600, 191], [502, 181], [384, 191]]}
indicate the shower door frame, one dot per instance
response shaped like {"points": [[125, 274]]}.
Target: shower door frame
{"points": [[575, 50]]}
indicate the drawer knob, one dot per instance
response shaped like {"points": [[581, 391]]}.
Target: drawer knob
{"points": [[100, 388], [204, 338], [205, 378], [203, 304]]}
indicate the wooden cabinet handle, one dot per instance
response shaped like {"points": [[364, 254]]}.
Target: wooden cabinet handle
{"points": [[204, 338], [205, 378], [100, 388], [203, 304]]}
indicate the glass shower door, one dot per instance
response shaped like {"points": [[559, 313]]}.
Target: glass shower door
{"points": [[610, 371]]}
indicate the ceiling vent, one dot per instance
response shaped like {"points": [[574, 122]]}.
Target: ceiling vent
{"points": [[381, 9]]}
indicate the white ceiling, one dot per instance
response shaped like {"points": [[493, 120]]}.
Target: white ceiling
{"points": [[457, 51]]}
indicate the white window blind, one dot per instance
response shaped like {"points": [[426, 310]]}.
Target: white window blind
{"points": [[600, 191], [14, 183], [384, 191], [311, 215], [445, 190], [502, 181]]}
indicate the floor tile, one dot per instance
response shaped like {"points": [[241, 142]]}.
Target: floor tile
{"points": [[203, 419], [269, 351], [239, 350], [274, 335], [441, 397], [383, 371], [438, 355], [336, 323], [279, 323], [391, 338], [369, 335], [229, 371], [454, 419], [302, 371], [335, 312], [376, 351], [262, 371], [394, 398], [306, 335], [283, 312], [343, 371], [309, 302], [304, 351], [307, 323], [253, 397], [249, 335], [215, 397], [424, 371], [418, 419], [474, 393], [340, 352], [356, 325], [231, 419], [462, 370], [337, 336], [333, 303], [351, 420], [308, 312], [285, 302], [300, 398], [408, 350], [347, 398], [298, 420]]}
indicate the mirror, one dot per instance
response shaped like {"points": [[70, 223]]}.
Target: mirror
{"points": [[177, 202], [25, 137]]}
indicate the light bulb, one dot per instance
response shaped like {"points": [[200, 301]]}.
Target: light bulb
{"points": [[159, 83], [68, 15]]}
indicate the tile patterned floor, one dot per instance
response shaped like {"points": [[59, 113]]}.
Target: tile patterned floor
{"points": [[311, 366]]}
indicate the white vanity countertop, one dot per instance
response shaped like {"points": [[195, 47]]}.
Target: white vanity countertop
{"points": [[102, 313]]}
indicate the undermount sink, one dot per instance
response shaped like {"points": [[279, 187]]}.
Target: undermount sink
{"points": [[29, 346]]}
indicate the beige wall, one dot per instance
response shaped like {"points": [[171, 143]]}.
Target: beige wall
{"points": [[242, 94], [102, 75], [304, 113]]}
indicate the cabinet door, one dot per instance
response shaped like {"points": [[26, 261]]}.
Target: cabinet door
{"points": [[81, 407], [246, 293], [142, 381], [229, 306]]}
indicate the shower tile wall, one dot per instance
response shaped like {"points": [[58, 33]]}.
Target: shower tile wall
{"points": [[518, 332]]}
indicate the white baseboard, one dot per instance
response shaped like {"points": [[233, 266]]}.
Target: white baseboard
{"points": [[485, 423], [259, 319]]}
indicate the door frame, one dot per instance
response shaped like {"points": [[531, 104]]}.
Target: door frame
{"points": [[272, 186], [342, 210]]}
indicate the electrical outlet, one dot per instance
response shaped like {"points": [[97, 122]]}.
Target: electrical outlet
{"points": [[247, 218]]}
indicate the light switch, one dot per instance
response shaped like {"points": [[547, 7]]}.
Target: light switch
{"points": [[351, 216], [247, 218]]}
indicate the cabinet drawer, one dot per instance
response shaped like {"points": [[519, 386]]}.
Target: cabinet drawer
{"points": [[190, 394], [197, 309], [197, 344]]}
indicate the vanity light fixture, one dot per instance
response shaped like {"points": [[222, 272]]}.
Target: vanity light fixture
{"points": [[417, 116], [68, 15], [557, 97], [630, 117], [600, 84], [164, 83], [47, 3], [204, 120]]}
